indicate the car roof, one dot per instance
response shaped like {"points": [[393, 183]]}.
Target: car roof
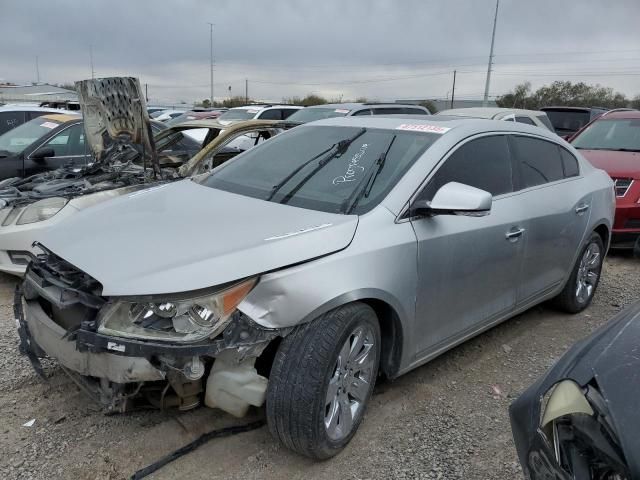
{"points": [[466, 126], [357, 105], [487, 112], [575, 109], [214, 123], [626, 114], [262, 107], [26, 108]]}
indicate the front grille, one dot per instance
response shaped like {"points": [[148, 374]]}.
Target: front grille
{"points": [[632, 223], [61, 283], [622, 186]]}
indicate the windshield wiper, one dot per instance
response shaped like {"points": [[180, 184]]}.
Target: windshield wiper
{"points": [[368, 184], [626, 149], [341, 148]]}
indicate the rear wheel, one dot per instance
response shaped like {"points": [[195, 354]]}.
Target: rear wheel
{"points": [[322, 379], [579, 290]]}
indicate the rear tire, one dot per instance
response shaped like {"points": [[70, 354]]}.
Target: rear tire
{"points": [[583, 282], [322, 379]]}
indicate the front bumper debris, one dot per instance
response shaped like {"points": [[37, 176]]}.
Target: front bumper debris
{"points": [[117, 371]]}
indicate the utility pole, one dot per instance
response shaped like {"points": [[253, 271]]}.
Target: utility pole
{"points": [[246, 91], [485, 101], [146, 92], [453, 90], [211, 59], [37, 71], [93, 73]]}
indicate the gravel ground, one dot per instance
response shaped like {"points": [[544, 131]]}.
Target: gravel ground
{"points": [[447, 419]]}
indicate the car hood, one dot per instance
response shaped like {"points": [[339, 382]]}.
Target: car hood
{"points": [[616, 164], [183, 236]]}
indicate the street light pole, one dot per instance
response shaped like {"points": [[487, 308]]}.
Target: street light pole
{"points": [[211, 59], [485, 101]]}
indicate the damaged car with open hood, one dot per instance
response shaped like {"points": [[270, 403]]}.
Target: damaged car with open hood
{"points": [[126, 152], [293, 275]]}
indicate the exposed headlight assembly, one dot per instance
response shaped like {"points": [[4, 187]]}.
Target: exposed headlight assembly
{"points": [[182, 320], [41, 210]]}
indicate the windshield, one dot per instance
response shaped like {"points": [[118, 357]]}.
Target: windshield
{"points": [[620, 134], [568, 121], [327, 168], [16, 140], [239, 114], [305, 115]]}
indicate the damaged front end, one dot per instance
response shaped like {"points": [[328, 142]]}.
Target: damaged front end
{"points": [[160, 351]]}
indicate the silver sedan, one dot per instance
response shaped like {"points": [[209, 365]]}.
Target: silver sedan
{"points": [[296, 274]]}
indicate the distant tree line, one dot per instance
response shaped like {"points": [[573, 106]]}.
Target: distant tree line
{"points": [[559, 93], [566, 94]]}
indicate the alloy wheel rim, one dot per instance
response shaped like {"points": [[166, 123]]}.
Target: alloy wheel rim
{"points": [[588, 272], [350, 383]]}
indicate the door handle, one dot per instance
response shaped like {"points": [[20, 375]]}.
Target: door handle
{"points": [[582, 208], [514, 234]]}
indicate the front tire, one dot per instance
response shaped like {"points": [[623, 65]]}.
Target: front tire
{"points": [[321, 381], [583, 282]]}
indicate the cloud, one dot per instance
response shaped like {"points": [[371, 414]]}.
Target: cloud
{"points": [[381, 49]]}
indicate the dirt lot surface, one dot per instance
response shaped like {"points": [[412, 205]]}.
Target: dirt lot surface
{"points": [[443, 420]]}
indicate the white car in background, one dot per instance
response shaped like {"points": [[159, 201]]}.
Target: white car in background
{"points": [[258, 112], [166, 115], [519, 115]]}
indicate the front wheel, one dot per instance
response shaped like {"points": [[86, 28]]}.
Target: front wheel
{"points": [[321, 381], [581, 286]]}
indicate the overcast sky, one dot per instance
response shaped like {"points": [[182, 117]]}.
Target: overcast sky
{"points": [[380, 49]]}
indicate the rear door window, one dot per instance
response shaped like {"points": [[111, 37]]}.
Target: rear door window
{"points": [[539, 161], [569, 163], [526, 120], [272, 114], [484, 163]]}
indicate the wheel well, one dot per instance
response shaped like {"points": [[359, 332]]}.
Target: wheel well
{"points": [[603, 231], [390, 334]]}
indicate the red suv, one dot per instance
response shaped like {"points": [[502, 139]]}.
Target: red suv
{"points": [[612, 142]]}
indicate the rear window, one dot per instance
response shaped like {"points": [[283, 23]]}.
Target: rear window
{"points": [[10, 120], [545, 120], [327, 168], [614, 134], [568, 121], [310, 114], [398, 111], [539, 161]]}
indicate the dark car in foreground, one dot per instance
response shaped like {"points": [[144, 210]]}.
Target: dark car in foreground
{"points": [[568, 120], [612, 143], [44, 143], [580, 420]]}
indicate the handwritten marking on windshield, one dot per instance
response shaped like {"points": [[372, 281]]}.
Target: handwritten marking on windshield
{"points": [[298, 232], [353, 167]]}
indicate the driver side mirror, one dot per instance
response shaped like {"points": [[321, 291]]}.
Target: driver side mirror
{"points": [[43, 153], [455, 199]]}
